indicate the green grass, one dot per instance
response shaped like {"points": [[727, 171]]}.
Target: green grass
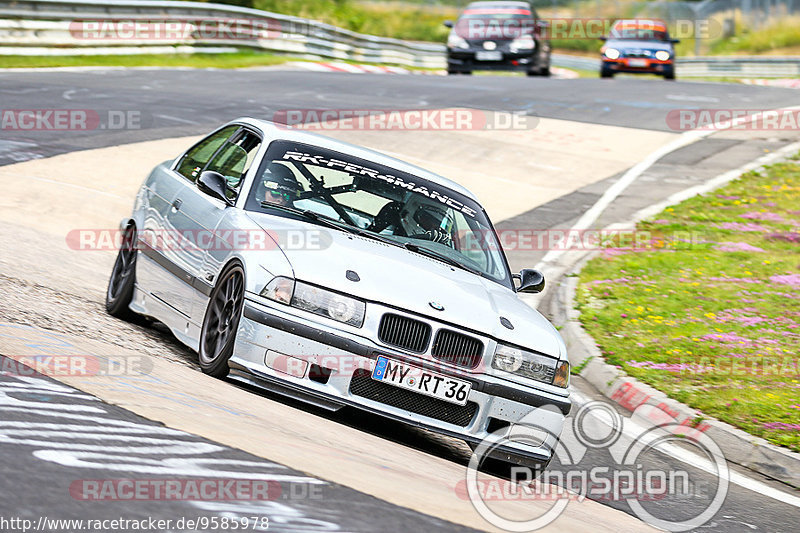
{"points": [[415, 22], [677, 315], [784, 33], [232, 60]]}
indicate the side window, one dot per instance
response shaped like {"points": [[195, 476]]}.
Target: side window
{"points": [[195, 160], [234, 159]]}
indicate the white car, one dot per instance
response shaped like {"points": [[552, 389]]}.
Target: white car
{"points": [[342, 277]]}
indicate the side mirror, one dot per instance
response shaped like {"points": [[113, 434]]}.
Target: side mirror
{"points": [[674, 41], [603, 38], [530, 280], [448, 23], [214, 184]]}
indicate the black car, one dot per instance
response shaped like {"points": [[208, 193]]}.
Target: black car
{"points": [[498, 36], [638, 46]]}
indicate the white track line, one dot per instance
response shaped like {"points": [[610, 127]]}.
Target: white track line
{"points": [[633, 430], [631, 175], [718, 181]]}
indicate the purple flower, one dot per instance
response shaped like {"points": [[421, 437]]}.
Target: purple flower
{"points": [[757, 215], [788, 279], [729, 338], [782, 426], [737, 247], [739, 226], [603, 281], [788, 236]]}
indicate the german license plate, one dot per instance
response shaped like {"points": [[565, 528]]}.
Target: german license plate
{"points": [[637, 62], [419, 380], [489, 55]]}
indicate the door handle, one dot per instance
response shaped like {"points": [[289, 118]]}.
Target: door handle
{"points": [[176, 205]]}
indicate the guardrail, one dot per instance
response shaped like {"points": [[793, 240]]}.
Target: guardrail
{"points": [[150, 26], [578, 62], [694, 67], [740, 67], [88, 24]]}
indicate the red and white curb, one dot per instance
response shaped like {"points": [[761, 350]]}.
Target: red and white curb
{"points": [[338, 66], [785, 83]]}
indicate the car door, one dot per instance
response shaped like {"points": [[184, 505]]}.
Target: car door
{"points": [[199, 216], [161, 272]]}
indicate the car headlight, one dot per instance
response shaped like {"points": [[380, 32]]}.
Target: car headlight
{"points": [[523, 42], [455, 41], [316, 300], [611, 53], [531, 365], [280, 289], [662, 55]]}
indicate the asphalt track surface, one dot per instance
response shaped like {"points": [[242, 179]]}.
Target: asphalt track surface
{"points": [[56, 420], [175, 103], [172, 103]]}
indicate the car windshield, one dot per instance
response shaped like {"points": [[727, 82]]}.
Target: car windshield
{"points": [[297, 179], [643, 32], [494, 24]]}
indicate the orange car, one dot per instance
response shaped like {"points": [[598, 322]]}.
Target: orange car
{"points": [[638, 46]]}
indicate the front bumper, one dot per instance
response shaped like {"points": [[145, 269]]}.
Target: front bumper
{"points": [[338, 367], [464, 60], [652, 66]]}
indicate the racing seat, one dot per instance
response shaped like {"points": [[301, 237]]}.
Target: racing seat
{"points": [[388, 217]]}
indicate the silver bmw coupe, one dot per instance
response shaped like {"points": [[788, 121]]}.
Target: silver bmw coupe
{"points": [[343, 277]]}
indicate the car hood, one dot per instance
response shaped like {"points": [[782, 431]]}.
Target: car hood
{"points": [[636, 44], [403, 279]]}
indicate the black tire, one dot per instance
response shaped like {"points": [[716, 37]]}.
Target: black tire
{"points": [[221, 322], [605, 73], [123, 277], [545, 71], [669, 75]]}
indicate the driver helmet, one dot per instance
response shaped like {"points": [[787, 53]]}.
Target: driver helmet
{"points": [[431, 217], [278, 185]]}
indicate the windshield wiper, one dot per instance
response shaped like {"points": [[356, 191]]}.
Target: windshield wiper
{"points": [[305, 213], [422, 250], [330, 223]]}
